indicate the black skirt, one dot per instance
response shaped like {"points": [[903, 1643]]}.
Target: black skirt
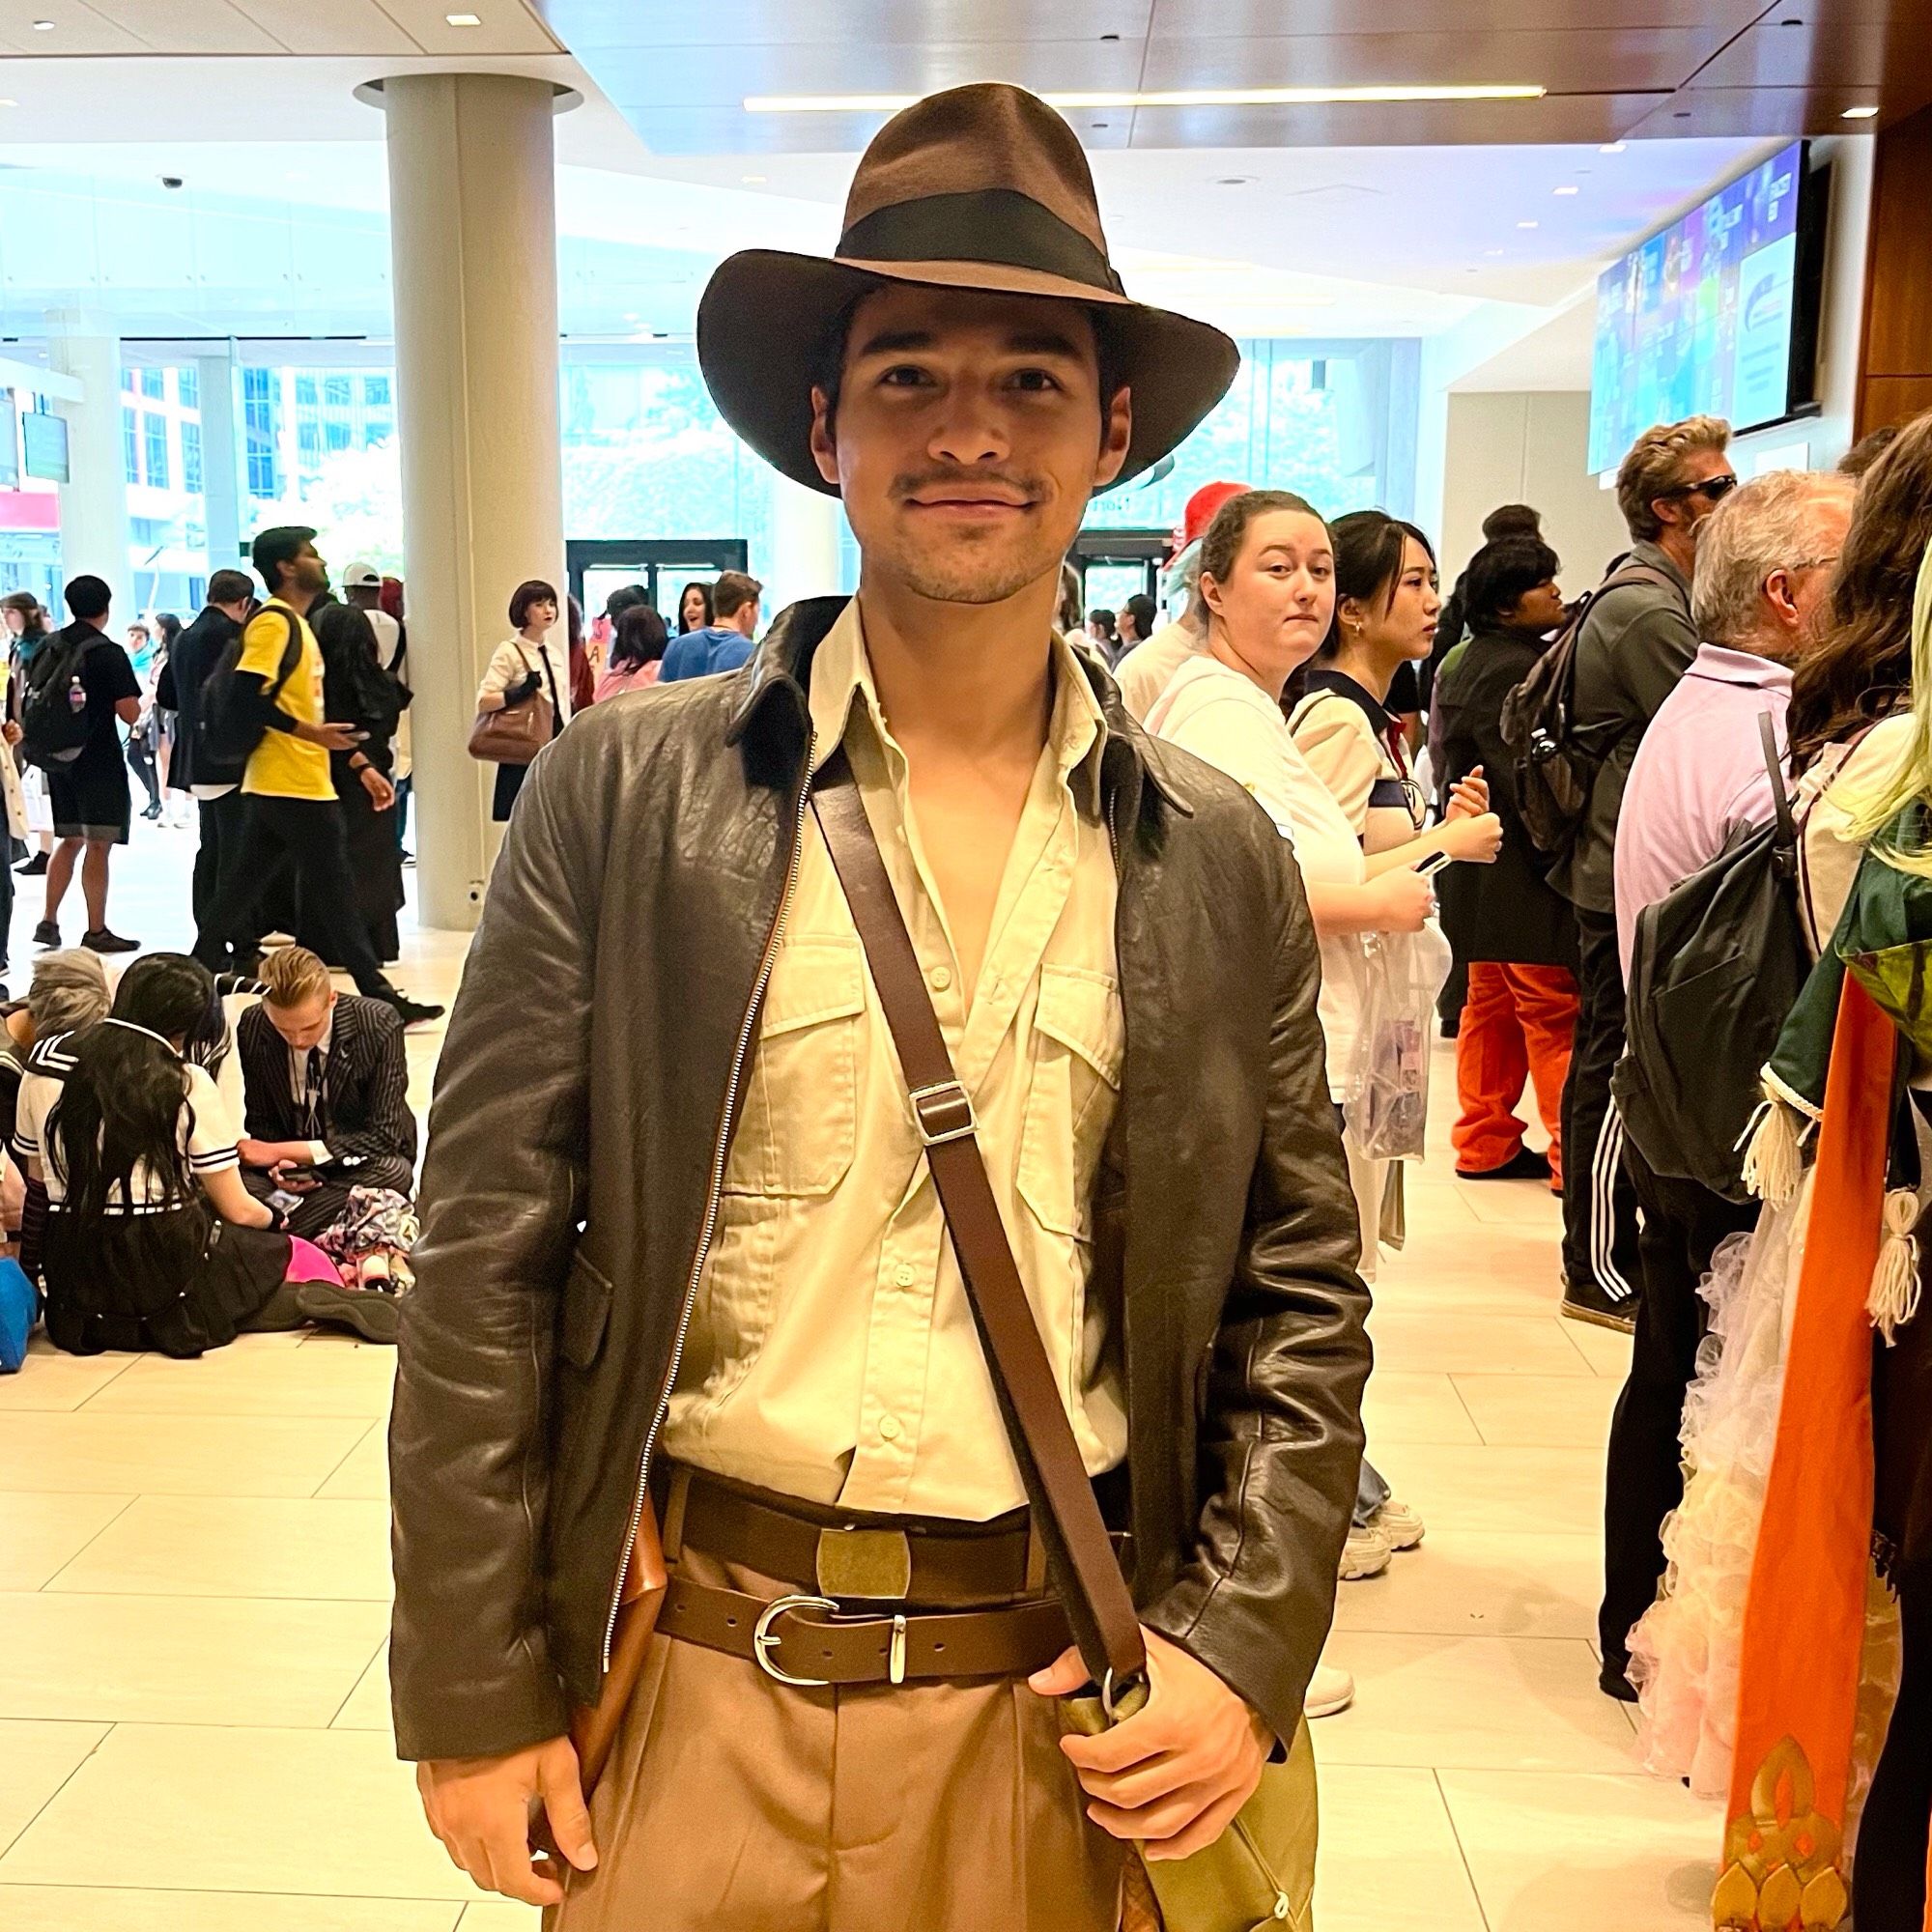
{"points": [[509, 782], [180, 1282]]}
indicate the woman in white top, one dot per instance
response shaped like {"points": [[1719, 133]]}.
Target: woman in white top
{"points": [[152, 1241], [521, 668]]}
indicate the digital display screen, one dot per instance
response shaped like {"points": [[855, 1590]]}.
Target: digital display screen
{"points": [[44, 439], [1698, 319]]}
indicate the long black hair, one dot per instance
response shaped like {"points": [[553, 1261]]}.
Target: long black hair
{"points": [[684, 623], [639, 639], [121, 1101]]}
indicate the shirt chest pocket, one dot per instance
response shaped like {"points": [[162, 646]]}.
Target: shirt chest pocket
{"points": [[801, 1109], [1079, 1041]]}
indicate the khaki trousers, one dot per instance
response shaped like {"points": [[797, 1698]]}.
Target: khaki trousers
{"points": [[736, 1804]]}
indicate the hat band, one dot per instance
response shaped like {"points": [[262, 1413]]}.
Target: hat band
{"points": [[995, 225]]}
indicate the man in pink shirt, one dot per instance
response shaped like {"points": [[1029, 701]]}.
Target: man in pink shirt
{"points": [[1764, 565]]}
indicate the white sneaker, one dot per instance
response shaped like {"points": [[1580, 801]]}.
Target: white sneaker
{"points": [[1366, 1553], [1401, 1525], [1331, 1693]]}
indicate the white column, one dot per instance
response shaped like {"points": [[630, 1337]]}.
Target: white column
{"points": [[221, 460], [806, 531], [94, 503], [472, 227]]}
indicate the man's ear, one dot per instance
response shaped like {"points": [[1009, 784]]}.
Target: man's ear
{"points": [[824, 445], [1116, 436]]}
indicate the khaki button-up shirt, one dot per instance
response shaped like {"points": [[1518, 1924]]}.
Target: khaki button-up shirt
{"points": [[832, 1352]]}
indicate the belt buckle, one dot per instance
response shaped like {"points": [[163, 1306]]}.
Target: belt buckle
{"points": [[764, 1642], [874, 1564], [943, 1113]]}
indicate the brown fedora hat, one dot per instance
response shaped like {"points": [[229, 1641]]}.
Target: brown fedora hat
{"points": [[979, 187]]}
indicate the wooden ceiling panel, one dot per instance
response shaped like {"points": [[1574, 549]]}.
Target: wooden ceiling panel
{"points": [[1558, 119], [1738, 111], [1814, 53], [1265, 19], [678, 127]]}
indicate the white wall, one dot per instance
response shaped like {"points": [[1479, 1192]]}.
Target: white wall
{"points": [[1526, 446]]}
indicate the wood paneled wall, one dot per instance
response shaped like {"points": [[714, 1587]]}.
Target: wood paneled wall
{"points": [[1895, 366]]}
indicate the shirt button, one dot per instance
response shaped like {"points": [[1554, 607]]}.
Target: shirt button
{"points": [[889, 1428], [941, 978], [904, 1275]]}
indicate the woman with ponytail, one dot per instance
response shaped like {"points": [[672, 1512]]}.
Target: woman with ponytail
{"points": [[152, 1241]]}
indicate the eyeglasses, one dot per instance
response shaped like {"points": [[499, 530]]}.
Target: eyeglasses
{"points": [[1713, 490]]}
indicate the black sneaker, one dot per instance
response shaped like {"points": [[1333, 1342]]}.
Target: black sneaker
{"points": [[413, 1012], [36, 867], [1613, 1681], [46, 933], [374, 1316], [101, 940], [1586, 1301], [1524, 1164]]}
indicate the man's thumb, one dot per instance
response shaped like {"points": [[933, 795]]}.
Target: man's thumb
{"points": [[1061, 1678], [563, 1801]]}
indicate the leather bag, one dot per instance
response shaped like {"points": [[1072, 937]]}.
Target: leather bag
{"points": [[516, 732], [1260, 1871]]}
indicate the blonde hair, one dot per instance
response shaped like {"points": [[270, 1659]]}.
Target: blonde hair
{"points": [[293, 976], [1870, 809], [1655, 467], [68, 989]]}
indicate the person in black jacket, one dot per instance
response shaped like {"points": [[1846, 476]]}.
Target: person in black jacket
{"points": [[214, 787], [1516, 935]]}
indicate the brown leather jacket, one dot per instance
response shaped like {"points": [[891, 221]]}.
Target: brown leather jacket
{"points": [[575, 1154]]}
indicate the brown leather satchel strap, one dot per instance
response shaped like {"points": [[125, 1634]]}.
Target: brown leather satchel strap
{"points": [[1085, 1573], [801, 1641]]}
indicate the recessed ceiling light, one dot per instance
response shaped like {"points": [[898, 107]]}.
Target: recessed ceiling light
{"points": [[1200, 96], [1568, 188], [1235, 180], [9, 103], [1859, 114], [43, 26], [1529, 224], [1614, 147], [464, 20], [753, 181], [1493, 251]]}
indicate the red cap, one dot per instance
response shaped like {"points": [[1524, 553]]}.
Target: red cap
{"points": [[1201, 511]]}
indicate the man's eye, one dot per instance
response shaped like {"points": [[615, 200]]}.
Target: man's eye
{"points": [[905, 376], [1034, 381]]}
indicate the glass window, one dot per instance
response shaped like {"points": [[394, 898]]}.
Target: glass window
{"points": [[260, 394], [131, 445], [308, 439], [154, 430], [188, 386], [155, 384], [335, 435], [375, 392], [191, 457], [336, 393], [379, 429], [306, 389]]}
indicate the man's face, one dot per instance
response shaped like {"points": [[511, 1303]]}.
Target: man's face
{"points": [[1540, 608], [308, 573], [1797, 593], [968, 438], [1691, 503], [304, 1025]]}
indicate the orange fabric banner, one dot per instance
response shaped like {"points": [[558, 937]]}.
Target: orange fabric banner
{"points": [[1804, 1619]]}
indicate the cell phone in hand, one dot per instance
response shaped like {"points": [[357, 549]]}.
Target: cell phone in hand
{"points": [[1427, 867], [284, 1203]]}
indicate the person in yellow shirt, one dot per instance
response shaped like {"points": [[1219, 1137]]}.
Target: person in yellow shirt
{"points": [[292, 813]]}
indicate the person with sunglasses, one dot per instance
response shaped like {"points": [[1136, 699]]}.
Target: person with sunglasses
{"points": [[1635, 641]]}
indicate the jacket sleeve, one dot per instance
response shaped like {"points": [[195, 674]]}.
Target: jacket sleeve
{"points": [[390, 1130], [1281, 1435], [502, 1200]]}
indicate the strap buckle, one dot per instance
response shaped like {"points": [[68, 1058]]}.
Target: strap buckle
{"points": [[765, 1640], [943, 1113]]}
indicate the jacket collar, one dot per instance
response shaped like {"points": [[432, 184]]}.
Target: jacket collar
{"points": [[772, 717]]}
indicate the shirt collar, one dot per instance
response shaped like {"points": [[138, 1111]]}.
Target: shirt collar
{"points": [[1326, 678], [1722, 665], [842, 690]]}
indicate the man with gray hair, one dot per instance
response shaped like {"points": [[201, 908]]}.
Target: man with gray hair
{"points": [[1764, 565]]}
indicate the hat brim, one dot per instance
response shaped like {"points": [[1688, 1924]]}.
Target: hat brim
{"points": [[765, 313]]}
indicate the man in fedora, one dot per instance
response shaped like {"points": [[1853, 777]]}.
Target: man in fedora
{"points": [[681, 1247]]}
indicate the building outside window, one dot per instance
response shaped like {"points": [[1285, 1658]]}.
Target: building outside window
{"points": [[336, 392], [260, 393], [188, 386], [131, 445], [191, 457], [305, 390], [376, 392], [154, 385], [154, 430]]}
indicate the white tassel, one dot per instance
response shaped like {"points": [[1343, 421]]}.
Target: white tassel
{"points": [[1894, 1288], [1772, 1168]]}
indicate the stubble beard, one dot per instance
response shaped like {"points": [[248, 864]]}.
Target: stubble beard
{"points": [[966, 574]]}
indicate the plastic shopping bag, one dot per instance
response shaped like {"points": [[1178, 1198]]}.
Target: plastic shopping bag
{"points": [[1389, 1109]]}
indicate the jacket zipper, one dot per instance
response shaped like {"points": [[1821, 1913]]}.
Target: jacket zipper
{"points": [[719, 1156]]}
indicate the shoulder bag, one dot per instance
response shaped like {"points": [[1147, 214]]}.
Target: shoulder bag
{"points": [[1260, 1871], [515, 733]]}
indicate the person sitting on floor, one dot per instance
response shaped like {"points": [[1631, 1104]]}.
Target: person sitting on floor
{"points": [[327, 1080]]}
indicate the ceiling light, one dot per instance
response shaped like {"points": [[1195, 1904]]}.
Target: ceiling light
{"points": [[464, 20], [1859, 114], [1614, 147], [43, 26], [9, 103], [753, 181], [1568, 188], [1235, 180], [1529, 224], [1199, 96], [1493, 251]]}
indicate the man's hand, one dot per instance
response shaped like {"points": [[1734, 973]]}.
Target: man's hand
{"points": [[480, 1809], [271, 1153], [12, 732], [381, 793], [1174, 1775], [334, 736], [293, 1177]]}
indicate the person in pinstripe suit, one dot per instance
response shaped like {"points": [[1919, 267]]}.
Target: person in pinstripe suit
{"points": [[326, 1083]]}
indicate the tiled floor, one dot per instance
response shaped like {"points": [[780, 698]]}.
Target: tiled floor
{"points": [[193, 1583]]}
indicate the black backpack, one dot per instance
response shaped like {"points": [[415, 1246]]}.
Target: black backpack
{"points": [[54, 714], [228, 723], [1551, 764], [1717, 966]]}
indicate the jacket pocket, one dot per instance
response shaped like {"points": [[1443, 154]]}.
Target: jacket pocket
{"points": [[801, 1109], [585, 1313], [1079, 1043]]}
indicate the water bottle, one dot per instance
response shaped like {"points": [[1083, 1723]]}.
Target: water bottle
{"points": [[77, 697]]}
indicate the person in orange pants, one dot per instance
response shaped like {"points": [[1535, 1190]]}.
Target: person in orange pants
{"points": [[1517, 1025]]}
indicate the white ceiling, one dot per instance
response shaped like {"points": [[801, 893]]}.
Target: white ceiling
{"points": [[369, 28]]}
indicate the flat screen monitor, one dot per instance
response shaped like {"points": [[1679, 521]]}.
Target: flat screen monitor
{"points": [[44, 441], [1716, 314]]}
